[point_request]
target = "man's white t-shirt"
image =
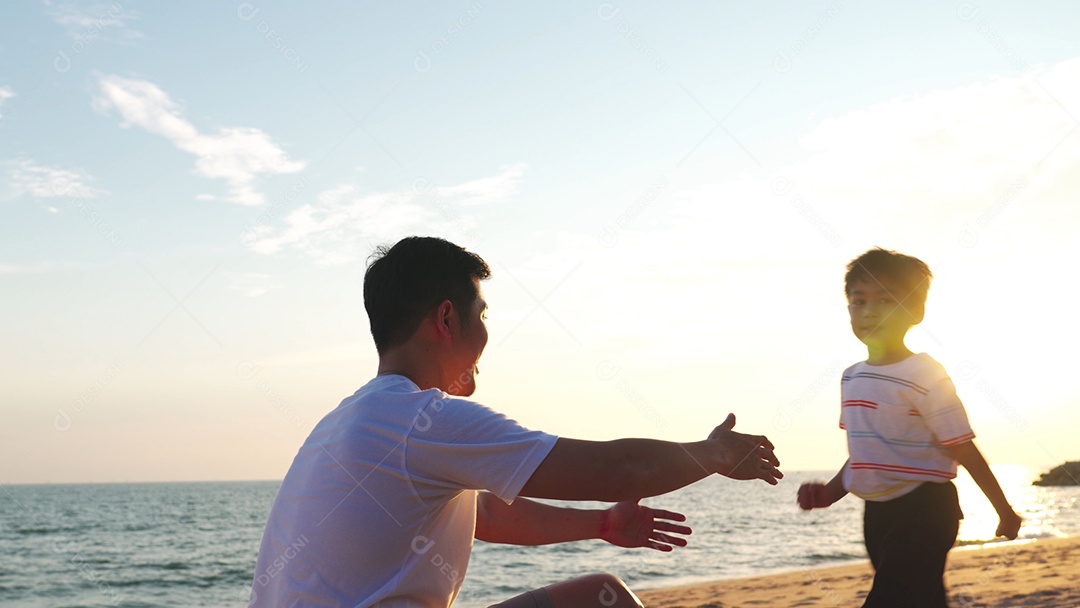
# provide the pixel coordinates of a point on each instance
(379, 506)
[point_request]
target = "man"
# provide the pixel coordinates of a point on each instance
(383, 500)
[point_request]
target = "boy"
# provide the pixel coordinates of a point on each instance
(906, 430)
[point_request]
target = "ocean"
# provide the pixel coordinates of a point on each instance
(195, 544)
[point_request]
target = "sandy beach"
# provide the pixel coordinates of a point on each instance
(1044, 573)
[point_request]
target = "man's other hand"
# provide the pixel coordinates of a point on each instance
(628, 524)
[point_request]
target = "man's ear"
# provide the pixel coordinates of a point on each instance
(445, 317)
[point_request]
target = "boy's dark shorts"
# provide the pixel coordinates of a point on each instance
(908, 540)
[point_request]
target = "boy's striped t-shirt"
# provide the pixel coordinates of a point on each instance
(899, 419)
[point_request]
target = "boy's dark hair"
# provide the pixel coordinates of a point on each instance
(910, 273)
(404, 282)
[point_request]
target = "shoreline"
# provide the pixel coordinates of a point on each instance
(1041, 572)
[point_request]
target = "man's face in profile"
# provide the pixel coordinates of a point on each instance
(469, 345)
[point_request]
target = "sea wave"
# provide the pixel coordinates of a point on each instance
(89, 545)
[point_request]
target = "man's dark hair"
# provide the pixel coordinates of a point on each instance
(907, 272)
(404, 282)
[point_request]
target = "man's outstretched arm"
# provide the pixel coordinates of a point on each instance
(527, 522)
(631, 469)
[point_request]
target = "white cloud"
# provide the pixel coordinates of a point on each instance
(952, 145)
(26, 177)
(952, 176)
(487, 189)
(916, 170)
(6, 93)
(86, 23)
(345, 223)
(237, 155)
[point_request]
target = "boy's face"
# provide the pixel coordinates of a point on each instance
(880, 316)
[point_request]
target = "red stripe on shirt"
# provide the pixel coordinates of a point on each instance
(859, 403)
(958, 440)
(895, 468)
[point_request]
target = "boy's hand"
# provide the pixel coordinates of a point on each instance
(745, 456)
(1009, 525)
(814, 496)
(628, 524)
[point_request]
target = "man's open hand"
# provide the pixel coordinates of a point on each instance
(628, 524)
(745, 456)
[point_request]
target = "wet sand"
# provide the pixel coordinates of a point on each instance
(1044, 573)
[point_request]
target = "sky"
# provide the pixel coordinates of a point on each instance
(667, 196)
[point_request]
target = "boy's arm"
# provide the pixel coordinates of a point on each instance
(631, 469)
(527, 522)
(969, 456)
(818, 495)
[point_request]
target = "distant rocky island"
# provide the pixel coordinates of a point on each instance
(1067, 474)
